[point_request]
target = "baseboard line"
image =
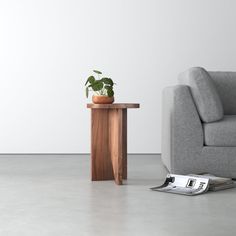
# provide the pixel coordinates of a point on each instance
(71, 154)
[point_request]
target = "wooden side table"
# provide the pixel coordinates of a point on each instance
(109, 141)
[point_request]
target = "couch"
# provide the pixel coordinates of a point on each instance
(199, 123)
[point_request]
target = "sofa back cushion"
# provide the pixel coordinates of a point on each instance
(226, 86)
(204, 93)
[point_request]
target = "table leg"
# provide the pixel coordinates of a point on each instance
(100, 152)
(118, 143)
(109, 144)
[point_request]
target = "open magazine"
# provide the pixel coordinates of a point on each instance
(194, 184)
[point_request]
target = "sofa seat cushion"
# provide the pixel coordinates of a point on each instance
(204, 93)
(221, 133)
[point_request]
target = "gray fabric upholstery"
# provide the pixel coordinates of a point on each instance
(190, 146)
(225, 83)
(182, 134)
(221, 133)
(204, 92)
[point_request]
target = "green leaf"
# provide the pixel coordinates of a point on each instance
(90, 80)
(107, 81)
(97, 85)
(87, 92)
(97, 72)
(110, 92)
(108, 87)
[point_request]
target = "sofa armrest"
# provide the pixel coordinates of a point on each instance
(182, 133)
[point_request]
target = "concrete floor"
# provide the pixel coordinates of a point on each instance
(52, 195)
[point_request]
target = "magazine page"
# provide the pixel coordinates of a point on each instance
(182, 184)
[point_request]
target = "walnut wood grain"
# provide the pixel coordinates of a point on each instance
(100, 151)
(124, 142)
(114, 105)
(109, 143)
(117, 143)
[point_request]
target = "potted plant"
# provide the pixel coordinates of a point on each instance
(102, 88)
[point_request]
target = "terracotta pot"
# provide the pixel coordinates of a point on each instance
(102, 99)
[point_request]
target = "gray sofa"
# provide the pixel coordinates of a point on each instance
(199, 123)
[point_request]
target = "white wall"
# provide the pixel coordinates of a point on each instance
(48, 48)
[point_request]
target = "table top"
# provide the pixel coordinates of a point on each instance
(113, 106)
